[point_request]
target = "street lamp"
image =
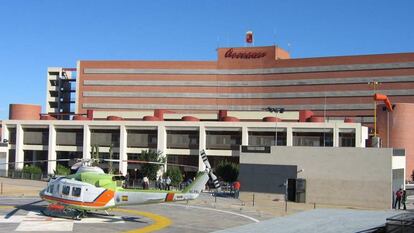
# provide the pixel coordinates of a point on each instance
(275, 110)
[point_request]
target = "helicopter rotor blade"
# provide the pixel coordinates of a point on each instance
(213, 177)
(150, 162)
(37, 161)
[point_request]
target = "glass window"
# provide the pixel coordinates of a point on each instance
(51, 187)
(313, 139)
(65, 190)
(76, 192)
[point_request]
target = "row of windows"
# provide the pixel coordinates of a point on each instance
(76, 191)
(186, 139)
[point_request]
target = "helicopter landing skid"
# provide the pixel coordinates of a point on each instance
(64, 213)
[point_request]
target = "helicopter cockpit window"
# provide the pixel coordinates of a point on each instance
(65, 190)
(50, 188)
(76, 192)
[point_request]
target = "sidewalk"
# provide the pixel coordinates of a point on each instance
(20, 187)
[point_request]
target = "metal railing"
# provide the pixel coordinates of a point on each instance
(22, 175)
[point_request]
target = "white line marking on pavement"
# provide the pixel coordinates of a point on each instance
(222, 211)
(35, 221)
(45, 226)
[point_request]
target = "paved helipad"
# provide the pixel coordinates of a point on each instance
(23, 215)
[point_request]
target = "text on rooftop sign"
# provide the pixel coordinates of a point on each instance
(243, 55)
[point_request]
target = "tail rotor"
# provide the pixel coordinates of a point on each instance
(209, 169)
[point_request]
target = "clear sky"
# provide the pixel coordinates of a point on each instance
(36, 34)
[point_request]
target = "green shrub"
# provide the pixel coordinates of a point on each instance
(227, 171)
(32, 169)
(175, 175)
(62, 170)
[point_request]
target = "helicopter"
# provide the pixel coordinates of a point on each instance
(91, 189)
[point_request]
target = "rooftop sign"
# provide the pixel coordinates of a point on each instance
(243, 55)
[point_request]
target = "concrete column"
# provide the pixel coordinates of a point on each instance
(19, 147)
(359, 140)
(51, 150)
(245, 136)
(5, 135)
(201, 146)
(335, 136)
(123, 156)
(289, 136)
(162, 142)
(86, 142)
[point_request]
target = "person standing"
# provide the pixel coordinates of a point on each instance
(404, 199)
(145, 182)
(159, 183)
(398, 196)
(168, 182)
(236, 188)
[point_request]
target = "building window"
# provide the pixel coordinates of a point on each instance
(104, 137)
(347, 139)
(12, 135)
(142, 138)
(69, 137)
(76, 192)
(223, 140)
(322, 139)
(35, 136)
(182, 139)
(267, 138)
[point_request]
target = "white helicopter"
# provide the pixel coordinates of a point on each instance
(90, 189)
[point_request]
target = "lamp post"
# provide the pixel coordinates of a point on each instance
(275, 110)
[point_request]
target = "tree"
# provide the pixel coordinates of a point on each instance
(62, 170)
(227, 171)
(150, 169)
(175, 175)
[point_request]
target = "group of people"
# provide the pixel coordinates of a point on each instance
(160, 183)
(400, 198)
(163, 183)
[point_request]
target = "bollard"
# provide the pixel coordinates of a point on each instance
(253, 199)
(286, 206)
(1, 188)
(314, 205)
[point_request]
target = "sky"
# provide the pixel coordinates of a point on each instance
(37, 34)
